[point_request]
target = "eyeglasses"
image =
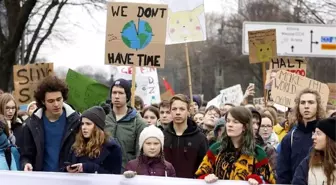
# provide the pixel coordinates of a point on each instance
(10, 108)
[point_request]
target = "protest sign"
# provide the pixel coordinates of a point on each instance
(147, 82)
(332, 94)
(26, 79)
(136, 34)
(287, 85)
(259, 101)
(33, 178)
(232, 95)
(85, 92)
(166, 95)
(262, 45)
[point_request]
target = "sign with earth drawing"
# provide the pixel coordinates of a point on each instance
(136, 34)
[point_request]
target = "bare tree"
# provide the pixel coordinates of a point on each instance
(36, 20)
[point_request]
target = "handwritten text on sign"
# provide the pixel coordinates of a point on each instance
(287, 85)
(26, 79)
(291, 64)
(136, 34)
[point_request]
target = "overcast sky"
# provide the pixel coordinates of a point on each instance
(87, 45)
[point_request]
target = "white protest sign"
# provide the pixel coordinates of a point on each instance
(232, 95)
(34, 178)
(147, 82)
(297, 39)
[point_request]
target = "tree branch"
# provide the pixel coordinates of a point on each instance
(39, 44)
(14, 39)
(37, 30)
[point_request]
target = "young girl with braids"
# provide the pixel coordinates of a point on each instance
(151, 160)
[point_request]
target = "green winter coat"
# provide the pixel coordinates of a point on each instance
(126, 132)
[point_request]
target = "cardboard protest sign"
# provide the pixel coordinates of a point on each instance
(259, 101)
(332, 94)
(26, 79)
(262, 45)
(166, 95)
(85, 92)
(147, 82)
(287, 85)
(291, 64)
(136, 34)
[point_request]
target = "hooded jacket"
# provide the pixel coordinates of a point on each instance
(108, 162)
(32, 150)
(5, 146)
(185, 152)
(126, 132)
(293, 151)
(152, 166)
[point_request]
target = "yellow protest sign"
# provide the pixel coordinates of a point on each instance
(262, 45)
(26, 79)
(136, 34)
(287, 85)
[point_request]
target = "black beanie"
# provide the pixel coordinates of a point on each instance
(97, 115)
(125, 84)
(328, 126)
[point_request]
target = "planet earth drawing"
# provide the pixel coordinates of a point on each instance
(137, 39)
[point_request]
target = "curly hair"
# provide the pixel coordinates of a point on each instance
(326, 158)
(244, 116)
(320, 112)
(4, 99)
(50, 84)
(92, 147)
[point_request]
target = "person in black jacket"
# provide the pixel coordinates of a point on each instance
(51, 130)
(184, 145)
(93, 150)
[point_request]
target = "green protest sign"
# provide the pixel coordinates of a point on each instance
(84, 92)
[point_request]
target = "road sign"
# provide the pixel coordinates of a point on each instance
(297, 39)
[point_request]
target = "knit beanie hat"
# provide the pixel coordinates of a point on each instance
(125, 84)
(197, 100)
(328, 126)
(97, 115)
(148, 132)
(219, 124)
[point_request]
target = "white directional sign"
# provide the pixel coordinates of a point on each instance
(297, 39)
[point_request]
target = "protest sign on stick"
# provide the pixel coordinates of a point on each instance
(136, 34)
(26, 79)
(287, 85)
(262, 45)
(85, 92)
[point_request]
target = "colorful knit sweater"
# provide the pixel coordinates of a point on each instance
(236, 166)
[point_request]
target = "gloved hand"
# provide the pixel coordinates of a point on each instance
(129, 174)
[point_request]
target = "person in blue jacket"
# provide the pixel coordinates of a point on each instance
(296, 144)
(9, 155)
(319, 168)
(94, 151)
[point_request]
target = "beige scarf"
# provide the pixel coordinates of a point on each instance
(316, 176)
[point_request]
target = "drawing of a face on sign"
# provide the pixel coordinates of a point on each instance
(264, 51)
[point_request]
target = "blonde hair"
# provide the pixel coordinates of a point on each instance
(320, 113)
(92, 147)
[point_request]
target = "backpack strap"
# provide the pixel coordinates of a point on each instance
(8, 156)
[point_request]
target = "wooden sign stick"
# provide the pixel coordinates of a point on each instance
(189, 74)
(264, 81)
(133, 86)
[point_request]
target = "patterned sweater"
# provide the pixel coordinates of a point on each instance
(228, 165)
